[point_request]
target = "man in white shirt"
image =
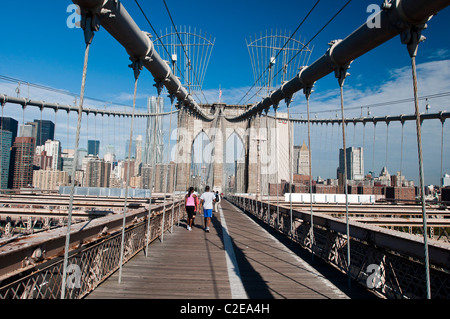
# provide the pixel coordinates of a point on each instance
(207, 199)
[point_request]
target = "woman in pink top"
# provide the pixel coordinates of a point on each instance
(190, 202)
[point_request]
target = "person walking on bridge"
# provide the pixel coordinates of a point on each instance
(207, 199)
(190, 202)
(216, 202)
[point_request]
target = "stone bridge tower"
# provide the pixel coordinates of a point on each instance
(250, 132)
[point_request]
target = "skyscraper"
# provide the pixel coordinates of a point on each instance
(82, 153)
(53, 149)
(301, 159)
(11, 125)
(147, 171)
(355, 163)
(97, 172)
(23, 154)
(138, 166)
(133, 149)
(93, 147)
(28, 130)
(153, 149)
(42, 159)
(45, 130)
(68, 161)
(46, 179)
(5, 156)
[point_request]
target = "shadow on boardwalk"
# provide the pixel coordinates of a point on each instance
(257, 287)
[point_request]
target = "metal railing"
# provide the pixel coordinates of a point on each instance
(387, 262)
(96, 255)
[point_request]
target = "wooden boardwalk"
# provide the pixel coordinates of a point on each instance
(238, 259)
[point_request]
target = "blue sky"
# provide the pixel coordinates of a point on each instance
(37, 46)
(42, 49)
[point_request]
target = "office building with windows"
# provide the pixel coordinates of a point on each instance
(93, 147)
(355, 163)
(22, 156)
(5, 157)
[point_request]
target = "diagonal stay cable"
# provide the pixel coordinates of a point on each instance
(317, 34)
(280, 50)
(306, 44)
(184, 49)
(156, 34)
(160, 40)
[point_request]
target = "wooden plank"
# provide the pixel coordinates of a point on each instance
(192, 264)
(188, 264)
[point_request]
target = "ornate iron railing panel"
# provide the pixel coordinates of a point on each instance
(88, 265)
(376, 263)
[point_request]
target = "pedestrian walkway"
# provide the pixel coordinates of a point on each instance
(238, 258)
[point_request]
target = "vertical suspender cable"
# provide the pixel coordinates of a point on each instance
(175, 178)
(308, 94)
(401, 160)
(276, 158)
(291, 177)
(373, 148)
(442, 151)
(354, 134)
(387, 144)
(22, 146)
(188, 179)
(168, 170)
(68, 121)
(87, 130)
(102, 138)
(342, 74)
(267, 169)
(415, 38)
(172, 99)
(57, 165)
(260, 180)
(147, 241)
(175, 166)
(95, 134)
(325, 145)
(421, 176)
(40, 128)
(364, 137)
(1, 149)
(152, 178)
(166, 176)
(137, 65)
(89, 34)
(331, 148)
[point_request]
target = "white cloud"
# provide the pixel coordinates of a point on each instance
(127, 98)
(440, 54)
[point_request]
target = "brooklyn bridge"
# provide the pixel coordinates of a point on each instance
(339, 202)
